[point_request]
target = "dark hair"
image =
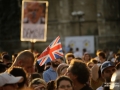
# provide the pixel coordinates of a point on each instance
(2, 67)
(69, 55)
(37, 81)
(94, 61)
(77, 49)
(51, 85)
(61, 78)
(78, 58)
(81, 70)
(18, 71)
(6, 57)
(34, 75)
(117, 66)
(39, 68)
(102, 54)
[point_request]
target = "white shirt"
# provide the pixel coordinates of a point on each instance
(78, 54)
(100, 88)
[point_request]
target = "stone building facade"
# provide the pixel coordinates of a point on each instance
(100, 18)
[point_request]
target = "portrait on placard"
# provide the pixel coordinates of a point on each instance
(34, 20)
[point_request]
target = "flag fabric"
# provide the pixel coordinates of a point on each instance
(52, 52)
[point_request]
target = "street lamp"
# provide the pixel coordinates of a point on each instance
(78, 14)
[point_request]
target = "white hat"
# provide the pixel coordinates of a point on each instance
(6, 78)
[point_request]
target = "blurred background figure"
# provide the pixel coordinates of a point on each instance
(77, 53)
(69, 57)
(86, 57)
(6, 59)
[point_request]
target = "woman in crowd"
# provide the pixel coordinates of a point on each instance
(86, 57)
(62, 68)
(63, 83)
(38, 84)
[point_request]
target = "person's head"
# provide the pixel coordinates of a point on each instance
(77, 49)
(34, 11)
(86, 57)
(56, 62)
(64, 83)
(19, 71)
(78, 71)
(9, 82)
(38, 84)
(33, 76)
(25, 59)
(98, 51)
(69, 57)
(102, 57)
(62, 68)
(6, 59)
(94, 61)
(84, 50)
(3, 53)
(107, 69)
(90, 64)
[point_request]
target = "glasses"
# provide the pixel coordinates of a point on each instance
(63, 87)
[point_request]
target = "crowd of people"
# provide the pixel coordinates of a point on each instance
(74, 71)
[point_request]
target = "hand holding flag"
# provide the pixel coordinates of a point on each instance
(52, 52)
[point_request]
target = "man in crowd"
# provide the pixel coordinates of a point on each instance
(79, 74)
(34, 13)
(96, 78)
(69, 57)
(77, 53)
(107, 69)
(25, 59)
(51, 74)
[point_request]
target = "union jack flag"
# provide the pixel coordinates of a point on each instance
(52, 52)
